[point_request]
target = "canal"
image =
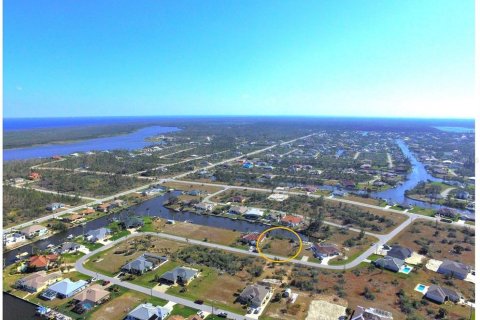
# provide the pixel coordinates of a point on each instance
(17, 309)
(152, 207)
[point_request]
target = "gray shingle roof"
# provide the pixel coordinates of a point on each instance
(389, 263)
(180, 273)
(456, 269)
(400, 252)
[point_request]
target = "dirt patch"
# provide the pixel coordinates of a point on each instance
(323, 310)
(119, 307)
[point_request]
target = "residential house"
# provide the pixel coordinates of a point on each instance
(97, 234)
(131, 221)
(103, 207)
(179, 275)
(203, 206)
(247, 165)
(238, 199)
(73, 217)
(348, 184)
(325, 250)
(238, 210)
(38, 281)
(69, 247)
(42, 262)
(251, 238)
(116, 204)
(455, 269)
(64, 289)
(34, 176)
(362, 313)
(442, 294)
(292, 221)
(147, 311)
(194, 193)
(255, 295)
(447, 213)
(94, 295)
(144, 263)
(389, 263)
(400, 252)
(253, 213)
(11, 238)
(87, 211)
(55, 206)
(463, 195)
(34, 231)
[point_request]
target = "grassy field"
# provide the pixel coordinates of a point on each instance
(207, 287)
(188, 186)
(148, 279)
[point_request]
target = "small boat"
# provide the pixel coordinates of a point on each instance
(170, 221)
(23, 254)
(188, 221)
(50, 246)
(70, 236)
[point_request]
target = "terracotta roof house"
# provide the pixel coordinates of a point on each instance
(94, 295)
(34, 176)
(325, 250)
(349, 184)
(144, 263)
(292, 221)
(88, 211)
(362, 313)
(34, 231)
(454, 269)
(74, 217)
(180, 275)
(400, 252)
(441, 294)
(254, 295)
(389, 263)
(38, 281)
(251, 238)
(147, 311)
(42, 262)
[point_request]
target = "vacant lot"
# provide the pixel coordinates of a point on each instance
(110, 261)
(439, 241)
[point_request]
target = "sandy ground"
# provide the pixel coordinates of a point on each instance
(323, 310)
(415, 259)
(433, 264)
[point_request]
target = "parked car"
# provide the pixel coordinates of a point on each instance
(222, 315)
(198, 301)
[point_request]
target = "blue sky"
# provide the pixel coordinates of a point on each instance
(349, 58)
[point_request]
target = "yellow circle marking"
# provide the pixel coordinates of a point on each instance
(273, 260)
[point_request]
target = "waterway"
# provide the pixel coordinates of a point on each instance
(131, 141)
(152, 207)
(17, 309)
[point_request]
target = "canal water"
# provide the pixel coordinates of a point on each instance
(153, 207)
(17, 309)
(131, 141)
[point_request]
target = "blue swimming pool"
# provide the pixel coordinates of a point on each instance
(421, 287)
(406, 269)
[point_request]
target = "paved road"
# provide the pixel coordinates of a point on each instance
(112, 197)
(204, 307)
(360, 204)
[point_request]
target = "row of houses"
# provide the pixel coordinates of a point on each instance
(29, 232)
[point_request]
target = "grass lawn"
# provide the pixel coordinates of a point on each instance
(423, 211)
(119, 235)
(72, 257)
(148, 279)
(183, 311)
(89, 245)
(374, 257)
(206, 287)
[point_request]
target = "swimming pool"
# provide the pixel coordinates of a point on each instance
(406, 269)
(421, 288)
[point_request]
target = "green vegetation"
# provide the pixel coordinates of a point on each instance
(20, 205)
(183, 311)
